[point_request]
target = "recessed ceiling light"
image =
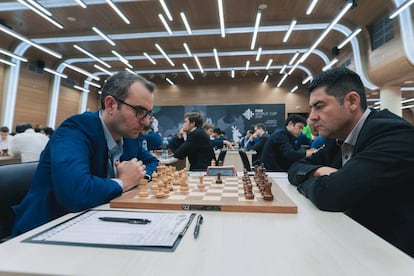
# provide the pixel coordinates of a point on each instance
(71, 19)
(409, 81)
(262, 6)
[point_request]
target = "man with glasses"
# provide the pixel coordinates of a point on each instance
(366, 168)
(89, 159)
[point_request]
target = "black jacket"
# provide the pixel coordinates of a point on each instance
(375, 187)
(198, 148)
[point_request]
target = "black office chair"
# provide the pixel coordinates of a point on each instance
(15, 180)
(245, 160)
(221, 157)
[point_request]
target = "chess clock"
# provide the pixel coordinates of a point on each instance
(223, 170)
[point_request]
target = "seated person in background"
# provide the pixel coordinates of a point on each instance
(219, 141)
(280, 150)
(5, 139)
(154, 140)
(196, 146)
(28, 143)
(258, 140)
(366, 167)
(79, 168)
(245, 141)
(48, 131)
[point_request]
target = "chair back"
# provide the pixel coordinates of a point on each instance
(221, 157)
(15, 180)
(245, 160)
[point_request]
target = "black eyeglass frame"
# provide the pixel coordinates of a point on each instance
(141, 112)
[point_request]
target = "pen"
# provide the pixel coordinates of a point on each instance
(197, 227)
(126, 220)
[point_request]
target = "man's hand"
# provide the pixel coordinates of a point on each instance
(309, 152)
(324, 171)
(130, 172)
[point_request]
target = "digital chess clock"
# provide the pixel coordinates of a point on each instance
(223, 170)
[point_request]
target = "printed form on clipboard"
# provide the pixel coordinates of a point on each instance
(119, 229)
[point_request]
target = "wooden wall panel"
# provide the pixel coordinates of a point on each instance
(2, 88)
(32, 99)
(93, 103)
(69, 101)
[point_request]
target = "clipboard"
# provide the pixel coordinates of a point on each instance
(163, 233)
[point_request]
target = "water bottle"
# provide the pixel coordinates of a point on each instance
(164, 153)
(144, 145)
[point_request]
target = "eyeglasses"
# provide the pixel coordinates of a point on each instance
(141, 112)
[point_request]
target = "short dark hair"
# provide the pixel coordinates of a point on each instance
(260, 125)
(338, 82)
(118, 85)
(4, 129)
(22, 127)
(207, 126)
(195, 117)
(295, 118)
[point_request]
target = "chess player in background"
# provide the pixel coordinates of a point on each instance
(79, 168)
(280, 150)
(366, 167)
(193, 142)
(27, 143)
(257, 142)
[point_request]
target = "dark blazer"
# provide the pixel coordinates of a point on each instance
(71, 175)
(198, 148)
(258, 147)
(280, 151)
(375, 187)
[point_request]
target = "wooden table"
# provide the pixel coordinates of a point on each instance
(10, 159)
(311, 242)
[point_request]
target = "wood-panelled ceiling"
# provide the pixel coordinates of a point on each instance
(146, 29)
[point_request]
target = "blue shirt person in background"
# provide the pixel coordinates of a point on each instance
(83, 164)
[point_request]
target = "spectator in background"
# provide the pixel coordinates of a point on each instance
(5, 139)
(280, 150)
(48, 131)
(258, 140)
(219, 141)
(28, 143)
(196, 146)
(154, 140)
(245, 141)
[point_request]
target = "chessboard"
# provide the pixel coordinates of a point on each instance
(229, 196)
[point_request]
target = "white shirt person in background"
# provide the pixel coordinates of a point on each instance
(28, 143)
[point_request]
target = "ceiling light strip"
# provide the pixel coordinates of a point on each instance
(7, 62)
(233, 73)
(10, 54)
(256, 29)
(91, 55)
(80, 70)
(309, 78)
(216, 58)
(132, 72)
(39, 7)
(282, 80)
(247, 65)
(259, 52)
(187, 49)
(81, 88)
(166, 10)
(282, 71)
(149, 58)
(311, 6)
(92, 83)
(164, 54)
(188, 71)
(45, 16)
(64, 76)
(330, 64)
(397, 11)
(292, 60)
(81, 3)
(269, 64)
(186, 24)
(407, 88)
(104, 36)
(294, 89)
(24, 39)
(199, 64)
(169, 81)
(351, 36)
(118, 11)
(221, 17)
(407, 100)
(102, 69)
(121, 58)
(164, 22)
(266, 78)
(287, 35)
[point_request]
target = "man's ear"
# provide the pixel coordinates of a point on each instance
(352, 99)
(110, 103)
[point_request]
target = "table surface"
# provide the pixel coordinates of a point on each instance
(311, 242)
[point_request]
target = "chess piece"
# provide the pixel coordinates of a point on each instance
(142, 188)
(213, 163)
(267, 193)
(201, 183)
(218, 180)
(249, 191)
(184, 185)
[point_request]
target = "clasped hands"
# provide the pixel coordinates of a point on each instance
(130, 172)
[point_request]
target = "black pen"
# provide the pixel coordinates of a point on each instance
(197, 227)
(126, 220)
